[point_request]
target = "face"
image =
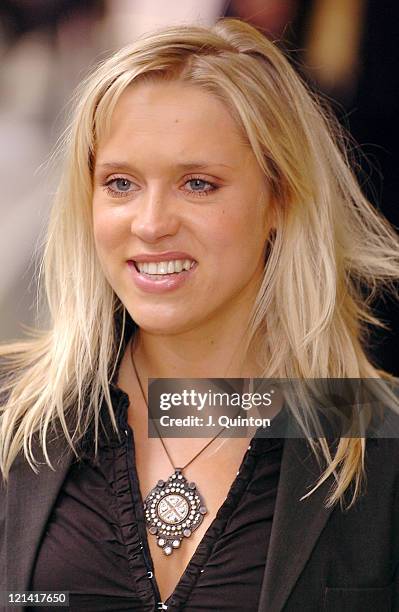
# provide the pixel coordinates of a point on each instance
(176, 188)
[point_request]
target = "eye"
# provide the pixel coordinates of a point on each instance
(118, 186)
(198, 182)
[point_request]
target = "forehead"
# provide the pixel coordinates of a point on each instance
(172, 118)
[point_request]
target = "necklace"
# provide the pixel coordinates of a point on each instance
(173, 508)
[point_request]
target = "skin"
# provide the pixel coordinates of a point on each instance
(195, 330)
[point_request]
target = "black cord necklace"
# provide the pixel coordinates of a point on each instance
(173, 508)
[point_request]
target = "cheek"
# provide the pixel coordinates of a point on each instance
(108, 231)
(243, 239)
(241, 231)
(236, 248)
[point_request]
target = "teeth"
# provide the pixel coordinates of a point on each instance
(164, 267)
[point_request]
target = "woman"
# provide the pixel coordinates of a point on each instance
(207, 225)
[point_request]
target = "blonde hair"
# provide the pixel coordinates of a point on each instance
(328, 246)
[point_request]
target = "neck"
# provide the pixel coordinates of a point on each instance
(211, 352)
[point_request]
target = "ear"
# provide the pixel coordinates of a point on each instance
(268, 201)
(269, 244)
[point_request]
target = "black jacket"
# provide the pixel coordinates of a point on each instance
(319, 559)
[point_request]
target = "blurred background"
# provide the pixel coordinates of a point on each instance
(345, 49)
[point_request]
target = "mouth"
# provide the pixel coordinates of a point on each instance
(158, 271)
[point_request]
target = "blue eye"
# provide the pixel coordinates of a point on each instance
(122, 184)
(201, 192)
(118, 187)
(197, 181)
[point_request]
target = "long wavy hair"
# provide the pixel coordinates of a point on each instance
(329, 254)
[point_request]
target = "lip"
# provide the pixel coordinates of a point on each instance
(169, 283)
(158, 257)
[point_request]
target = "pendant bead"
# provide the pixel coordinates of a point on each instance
(167, 510)
(174, 514)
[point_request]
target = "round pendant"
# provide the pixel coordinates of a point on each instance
(173, 510)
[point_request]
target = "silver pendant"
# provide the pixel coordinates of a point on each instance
(173, 510)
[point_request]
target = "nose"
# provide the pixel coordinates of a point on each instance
(155, 216)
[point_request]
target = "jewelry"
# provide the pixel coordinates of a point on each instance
(173, 508)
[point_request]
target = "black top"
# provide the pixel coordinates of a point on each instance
(95, 543)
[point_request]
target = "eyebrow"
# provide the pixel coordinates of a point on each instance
(181, 166)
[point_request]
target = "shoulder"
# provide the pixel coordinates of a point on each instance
(7, 371)
(383, 406)
(382, 451)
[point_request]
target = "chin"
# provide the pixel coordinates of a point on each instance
(162, 324)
